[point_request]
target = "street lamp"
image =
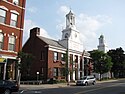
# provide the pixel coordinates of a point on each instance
(18, 71)
(37, 76)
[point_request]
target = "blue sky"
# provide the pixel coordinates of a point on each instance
(93, 18)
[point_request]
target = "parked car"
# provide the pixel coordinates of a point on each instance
(7, 87)
(86, 80)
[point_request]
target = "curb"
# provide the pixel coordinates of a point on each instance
(60, 85)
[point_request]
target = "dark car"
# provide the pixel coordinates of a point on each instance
(7, 86)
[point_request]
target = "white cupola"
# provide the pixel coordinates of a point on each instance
(70, 20)
(102, 45)
(70, 35)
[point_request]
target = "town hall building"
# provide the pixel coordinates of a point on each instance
(54, 58)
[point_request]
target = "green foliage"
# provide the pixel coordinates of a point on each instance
(26, 61)
(66, 65)
(102, 61)
(118, 59)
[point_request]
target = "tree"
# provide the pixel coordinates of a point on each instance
(26, 62)
(118, 59)
(102, 62)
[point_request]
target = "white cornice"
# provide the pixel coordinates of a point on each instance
(11, 26)
(14, 4)
(53, 48)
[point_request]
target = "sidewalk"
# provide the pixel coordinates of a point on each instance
(45, 86)
(59, 85)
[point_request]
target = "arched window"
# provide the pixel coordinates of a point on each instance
(1, 40)
(12, 40)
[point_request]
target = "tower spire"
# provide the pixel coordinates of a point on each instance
(70, 19)
(102, 45)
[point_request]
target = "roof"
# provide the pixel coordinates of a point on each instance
(51, 42)
(101, 36)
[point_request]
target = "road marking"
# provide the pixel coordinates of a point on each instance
(97, 89)
(22, 91)
(38, 92)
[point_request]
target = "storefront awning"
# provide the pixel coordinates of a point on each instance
(2, 60)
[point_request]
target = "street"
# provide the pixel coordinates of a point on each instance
(115, 87)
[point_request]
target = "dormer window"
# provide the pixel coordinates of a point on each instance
(16, 2)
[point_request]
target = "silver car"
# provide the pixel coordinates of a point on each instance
(86, 80)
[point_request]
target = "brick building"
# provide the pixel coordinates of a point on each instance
(50, 61)
(11, 32)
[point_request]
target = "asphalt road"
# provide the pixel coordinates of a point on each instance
(116, 87)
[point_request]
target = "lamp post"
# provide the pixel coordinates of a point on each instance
(18, 71)
(67, 62)
(4, 73)
(37, 74)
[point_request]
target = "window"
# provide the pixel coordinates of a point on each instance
(62, 71)
(55, 56)
(2, 15)
(11, 43)
(55, 72)
(16, 2)
(62, 57)
(1, 40)
(13, 21)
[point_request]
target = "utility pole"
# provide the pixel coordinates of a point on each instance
(4, 73)
(18, 71)
(67, 62)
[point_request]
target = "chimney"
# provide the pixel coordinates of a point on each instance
(35, 32)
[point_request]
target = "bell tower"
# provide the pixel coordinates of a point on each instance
(70, 20)
(70, 30)
(70, 35)
(102, 45)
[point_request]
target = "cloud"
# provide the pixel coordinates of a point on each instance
(87, 25)
(32, 9)
(63, 10)
(29, 24)
(90, 25)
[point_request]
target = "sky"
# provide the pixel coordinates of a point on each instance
(93, 18)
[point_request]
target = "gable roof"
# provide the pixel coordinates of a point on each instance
(51, 42)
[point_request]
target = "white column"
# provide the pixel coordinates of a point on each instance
(4, 73)
(82, 66)
(78, 67)
(73, 68)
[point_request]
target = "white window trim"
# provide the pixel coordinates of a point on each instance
(9, 42)
(3, 7)
(14, 11)
(11, 26)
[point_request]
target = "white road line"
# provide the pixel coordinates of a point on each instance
(38, 92)
(22, 91)
(97, 89)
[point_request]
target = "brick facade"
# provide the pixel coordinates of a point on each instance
(11, 28)
(36, 46)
